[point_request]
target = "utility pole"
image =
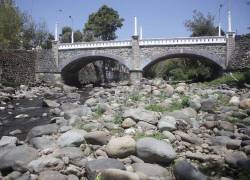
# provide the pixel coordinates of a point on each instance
(220, 20)
(56, 25)
(72, 30)
(136, 31)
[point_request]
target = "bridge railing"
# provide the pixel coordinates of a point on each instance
(95, 44)
(183, 41)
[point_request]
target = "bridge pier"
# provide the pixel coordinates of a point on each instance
(135, 72)
(230, 47)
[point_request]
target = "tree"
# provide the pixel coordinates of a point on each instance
(201, 25)
(10, 26)
(66, 34)
(77, 36)
(103, 24)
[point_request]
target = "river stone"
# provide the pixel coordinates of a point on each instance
(8, 141)
(50, 103)
(226, 125)
(232, 158)
(155, 151)
(245, 104)
(75, 155)
(208, 105)
(183, 170)
(153, 171)
(42, 130)
(96, 166)
(234, 101)
(18, 158)
(117, 174)
(43, 142)
(145, 126)
(141, 114)
(71, 109)
(191, 138)
(97, 137)
(74, 137)
(51, 175)
(167, 123)
(128, 122)
(225, 141)
(45, 163)
(169, 90)
(121, 147)
(184, 114)
(169, 136)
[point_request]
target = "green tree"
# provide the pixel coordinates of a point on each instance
(77, 36)
(10, 26)
(103, 24)
(66, 34)
(201, 25)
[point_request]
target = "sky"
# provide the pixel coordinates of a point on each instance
(158, 18)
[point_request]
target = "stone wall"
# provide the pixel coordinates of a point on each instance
(241, 56)
(45, 61)
(17, 67)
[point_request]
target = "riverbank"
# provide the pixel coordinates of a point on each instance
(154, 130)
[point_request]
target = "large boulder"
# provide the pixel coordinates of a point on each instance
(183, 170)
(121, 147)
(42, 130)
(153, 171)
(169, 90)
(71, 109)
(96, 166)
(141, 114)
(74, 137)
(155, 151)
(97, 137)
(18, 158)
(8, 141)
(50, 103)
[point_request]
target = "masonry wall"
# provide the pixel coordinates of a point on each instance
(17, 67)
(241, 55)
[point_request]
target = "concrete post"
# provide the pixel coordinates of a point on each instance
(55, 52)
(230, 46)
(135, 72)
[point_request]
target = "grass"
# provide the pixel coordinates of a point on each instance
(98, 112)
(223, 100)
(157, 135)
(156, 108)
(118, 118)
(233, 80)
(135, 96)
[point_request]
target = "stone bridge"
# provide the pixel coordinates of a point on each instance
(139, 54)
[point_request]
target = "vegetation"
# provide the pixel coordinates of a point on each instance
(156, 108)
(66, 35)
(202, 25)
(18, 30)
(118, 118)
(102, 24)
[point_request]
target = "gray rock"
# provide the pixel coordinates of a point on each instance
(121, 147)
(167, 123)
(71, 109)
(183, 170)
(43, 142)
(109, 174)
(155, 151)
(96, 166)
(145, 126)
(97, 137)
(51, 175)
(128, 122)
(75, 155)
(45, 163)
(191, 138)
(42, 130)
(141, 114)
(50, 103)
(74, 137)
(72, 177)
(208, 105)
(8, 141)
(153, 171)
(232, 158)
(169, 136)
(15, 132)
(225, 141)
(18, 158)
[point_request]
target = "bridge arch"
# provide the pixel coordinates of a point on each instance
(69, 71)
(184, 53)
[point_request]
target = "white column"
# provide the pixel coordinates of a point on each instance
(229, 17)
(136, 32)
(140, 32)
(56, 34)
(72, 36)
(219, 29)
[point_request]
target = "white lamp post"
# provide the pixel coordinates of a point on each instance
(72, 33)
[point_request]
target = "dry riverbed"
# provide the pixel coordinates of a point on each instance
(150, 131)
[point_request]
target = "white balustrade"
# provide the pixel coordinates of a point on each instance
(144, 42)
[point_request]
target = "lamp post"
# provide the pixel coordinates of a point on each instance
(72, 31)
(220, 19)
(56, 25)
